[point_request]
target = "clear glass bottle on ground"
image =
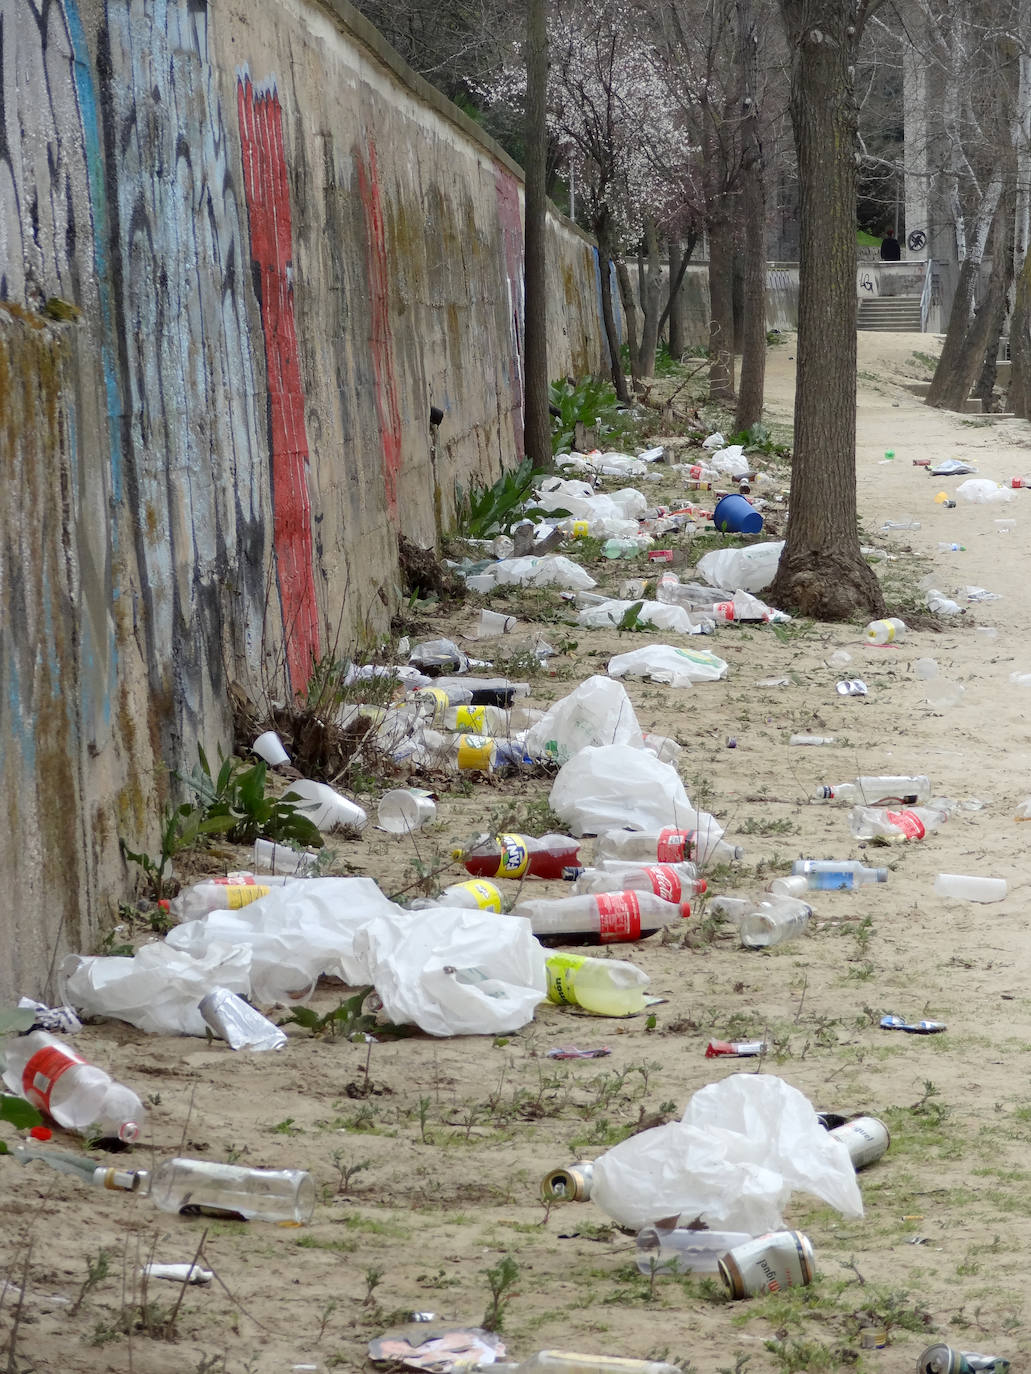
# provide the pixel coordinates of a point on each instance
(198, 1187)
(78, 1095)
(601, 918)
(873, 790)
(607, 987)
(828, 874)
(682, 1251)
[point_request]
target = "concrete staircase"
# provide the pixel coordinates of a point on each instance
(897, 314)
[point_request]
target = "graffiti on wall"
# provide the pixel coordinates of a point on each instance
(267, 190)
(381, 339)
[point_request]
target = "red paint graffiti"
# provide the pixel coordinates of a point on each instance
(510, 218)
(268, 208)
(381, 341)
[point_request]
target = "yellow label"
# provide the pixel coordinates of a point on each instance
(488, 898)
(242, 894)
(475, 751)
(581, 529)
(514, 856)
(439, 699)
(562, 969)
(471, 718)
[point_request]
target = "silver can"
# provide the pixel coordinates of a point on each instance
(945, 1359)
(571, 1184)
(865, 1138)
(781, 1259)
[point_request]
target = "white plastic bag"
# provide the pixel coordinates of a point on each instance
(750, 569)
(157, 989)
(714, 441)
(731, 461)
(655, 613)
(597, 712)
(983, 491)
(744, 1145)
(455, 972)
(297, 932)
(666, 663)
(616, 787)
(551, 571)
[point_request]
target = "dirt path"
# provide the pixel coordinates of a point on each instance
(431, 1177)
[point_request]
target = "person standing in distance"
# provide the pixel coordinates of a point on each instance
(891, 251)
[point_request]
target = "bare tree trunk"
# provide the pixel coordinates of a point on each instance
(721, 311)
(652, 300)
(954, 375)
(536, 418)
(996, 303)
(675, 304)
(1020, 344)
(602, 234)
(822, 571)
(753, 207)
(626, 295)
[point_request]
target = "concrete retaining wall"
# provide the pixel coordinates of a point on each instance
(281, 248)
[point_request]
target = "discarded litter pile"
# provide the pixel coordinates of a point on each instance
(520, 919)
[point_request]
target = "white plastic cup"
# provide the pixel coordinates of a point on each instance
(270, 747)
(403, 810)
(493, 624)
(970, 888)
(327, 808)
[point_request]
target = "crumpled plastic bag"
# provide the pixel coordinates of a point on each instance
(616, 787)
(655, 613)
(667, 663)
(158, 988)
(297, 932)
(455, 971)
(983, 491)
(597, 712)
(744, 1145)
(731, 461)
(749, 569)
(714, 441)
(551, 571)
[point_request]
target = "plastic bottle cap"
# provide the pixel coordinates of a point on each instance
(458, 853)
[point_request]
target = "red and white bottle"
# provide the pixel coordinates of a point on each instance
(519, 856)
(78, 1095)
(669, 846)
(671, 882)
(913, 823)
(600, 919)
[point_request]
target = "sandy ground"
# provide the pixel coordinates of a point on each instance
(429, 1176)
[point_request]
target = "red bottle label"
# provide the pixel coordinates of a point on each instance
(673, 845)
(43, 1070)
(665, 883)
(909, 823)
(620, 914)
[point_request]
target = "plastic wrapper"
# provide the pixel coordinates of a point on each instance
(744, 1145)
(238, 1023)
(597, 712)
(455, 971)
(549, 571)
(748, 570)
(655, 613)
(667, 663)
(983, 491)
(159, 988)
(613, 787)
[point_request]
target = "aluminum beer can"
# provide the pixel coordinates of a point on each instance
(571, 1184)
(781, 1259)
(865, 1138)
(946, 1359)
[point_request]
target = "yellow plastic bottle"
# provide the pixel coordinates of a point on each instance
(607, 987)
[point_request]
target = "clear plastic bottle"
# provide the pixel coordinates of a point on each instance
(945, 547)
(772, 922)
(78, 1095)
(198, 1187)
(571, 1362)
(669, 846)
(829, 874)
(873, 791)
(468, 753)
(885, 631)
(519, 856)
(671, 882)
(489, 720)
(211, 895)
(606, 987)
(682, 1251)
(477, 895)
(941, 604)
(912, 823)
(599, 918)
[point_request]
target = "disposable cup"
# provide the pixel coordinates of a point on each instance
(403, 810)
(493, 623)
(325, 807)
(970, 887)
(270, 747)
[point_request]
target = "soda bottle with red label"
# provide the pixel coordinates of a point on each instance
(913, 823)
(600, 919)
(671, 845)
(79, 1096)
(519, 856)
(671, 882)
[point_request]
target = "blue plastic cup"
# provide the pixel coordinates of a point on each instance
(735, 515)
